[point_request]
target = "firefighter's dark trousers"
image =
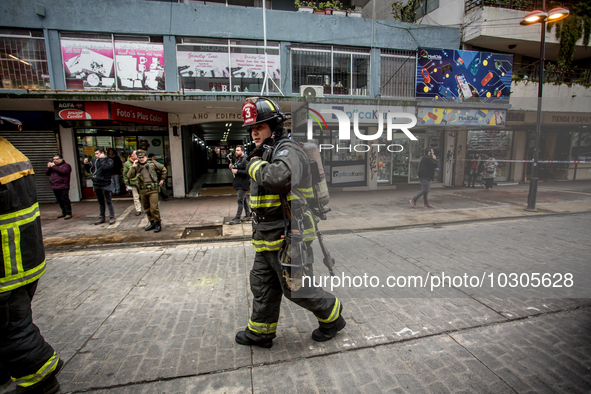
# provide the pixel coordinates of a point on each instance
(24, 354)
(268, 285)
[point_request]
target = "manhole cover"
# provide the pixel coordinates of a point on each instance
(202, 232)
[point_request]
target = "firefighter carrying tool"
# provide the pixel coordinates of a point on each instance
(24, 355)
(281, 220)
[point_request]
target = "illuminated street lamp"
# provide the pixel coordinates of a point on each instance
(531, 18)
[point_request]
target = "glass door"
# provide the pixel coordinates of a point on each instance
(417, 151)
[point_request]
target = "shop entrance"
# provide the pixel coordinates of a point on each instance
(122, 140)
(431, 140)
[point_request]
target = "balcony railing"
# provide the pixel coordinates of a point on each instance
(553, 74)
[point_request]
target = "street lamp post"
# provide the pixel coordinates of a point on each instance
(531, 18)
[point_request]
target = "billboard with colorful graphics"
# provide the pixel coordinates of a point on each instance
(463, 76)
(460, 117)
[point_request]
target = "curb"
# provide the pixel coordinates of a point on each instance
(211, 240)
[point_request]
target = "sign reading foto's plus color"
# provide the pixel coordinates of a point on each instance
(89, 110)
(138, 115)
(463, 76)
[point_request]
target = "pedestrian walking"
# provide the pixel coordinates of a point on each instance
(490, 172)
(277, 167)
(241, 184)
(475, 168)
(100, 168)
(147, 173)
(25, 356)
(59, 180)
(115, 171)
(132, 184)
(427, 168)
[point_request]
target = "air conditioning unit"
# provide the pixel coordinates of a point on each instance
(311, 91)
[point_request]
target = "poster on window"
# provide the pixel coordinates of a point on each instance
(252, 65)
(140, 66)
(463, 76)
(88, 64)
(203, 64)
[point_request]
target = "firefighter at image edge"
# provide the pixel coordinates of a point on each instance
(275, 165)
(24, 355)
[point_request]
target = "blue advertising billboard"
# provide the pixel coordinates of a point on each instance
(463, 76)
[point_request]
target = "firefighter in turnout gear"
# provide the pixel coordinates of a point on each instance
(281, 182)
(24, 355)
(149, 185)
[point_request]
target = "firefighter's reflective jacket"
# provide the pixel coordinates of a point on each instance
(282, 167)
(22, 254)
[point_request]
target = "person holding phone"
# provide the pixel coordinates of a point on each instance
(427, 168)
(59, 180)
(100, 167)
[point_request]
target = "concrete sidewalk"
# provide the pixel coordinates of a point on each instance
(351, 211)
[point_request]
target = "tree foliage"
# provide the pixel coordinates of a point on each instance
(406, 13)
(571, 29)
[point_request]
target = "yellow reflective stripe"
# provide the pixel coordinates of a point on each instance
(265, 197)
(24, 278)
(293, 197)
(254, 169)
(262, 241)
(262, 328)
(262, 245)
(334, 315)
(270, 105)
(6, 254)
(307, 192)
(265, 205)
(17, 250)
(46, 369)
(19, 218)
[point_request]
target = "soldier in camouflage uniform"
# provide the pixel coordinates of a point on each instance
(149, 185)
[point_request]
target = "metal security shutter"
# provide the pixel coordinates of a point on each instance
(39, 147)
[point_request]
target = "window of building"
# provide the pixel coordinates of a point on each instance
(105, 61)
(491, 143)
(227, 65)
(23, 60)
(426, 6)
(397, 73)
(338, 70)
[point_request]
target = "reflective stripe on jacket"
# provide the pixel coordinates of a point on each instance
(22, 255)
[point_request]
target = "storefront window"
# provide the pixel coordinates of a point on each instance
(214, 65)
(124, 140)
(343, 71)
(492, 143)
(104, 61)
(23, 60)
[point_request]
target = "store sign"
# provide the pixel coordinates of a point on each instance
(202, 64)
(558, 118)
(79, 110)
(460, 76)
(138, 115)
(252, 65)
(140, 65)
(460, 117)
(348, 174)
(88, 64)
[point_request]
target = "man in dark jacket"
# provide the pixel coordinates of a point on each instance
(427, 168)
(281, 183)
(241, 183)
(59, 179)
(100, 167)
(115, 171)
(25, 356)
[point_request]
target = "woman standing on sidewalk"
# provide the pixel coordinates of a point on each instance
(490, 171)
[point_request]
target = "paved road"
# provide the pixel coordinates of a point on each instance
(161, 319)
